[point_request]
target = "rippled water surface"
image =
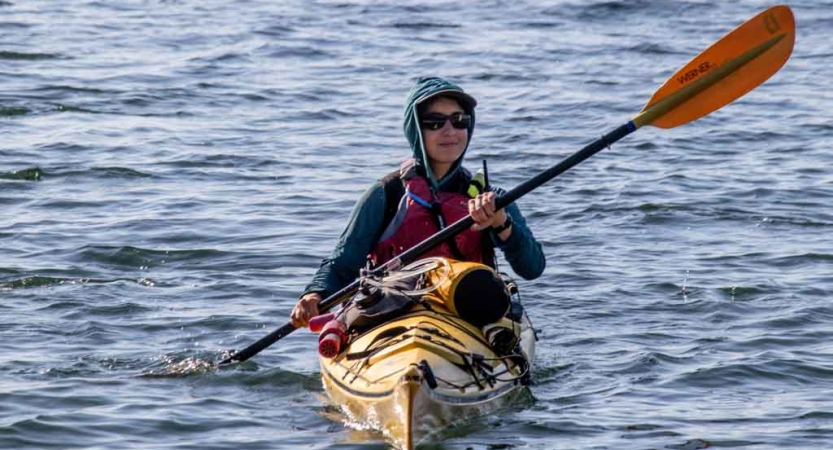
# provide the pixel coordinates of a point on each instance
(172, 172)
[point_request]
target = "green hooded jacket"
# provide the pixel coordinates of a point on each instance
(521, 250)
(424, 89)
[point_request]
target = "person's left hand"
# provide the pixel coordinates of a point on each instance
(482, 210)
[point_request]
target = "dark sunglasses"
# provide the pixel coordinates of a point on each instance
(435, 121)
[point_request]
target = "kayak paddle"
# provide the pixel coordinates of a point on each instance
(731, 67)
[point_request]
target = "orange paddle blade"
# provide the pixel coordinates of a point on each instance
(731, 67)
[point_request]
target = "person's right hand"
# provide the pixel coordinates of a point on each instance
(305, 309)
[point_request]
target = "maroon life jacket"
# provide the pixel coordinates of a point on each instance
(423, 215)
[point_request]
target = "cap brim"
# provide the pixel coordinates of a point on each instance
(467, 100)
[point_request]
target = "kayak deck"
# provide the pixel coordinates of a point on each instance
(423, 372)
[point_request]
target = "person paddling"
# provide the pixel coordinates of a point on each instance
(428, 192)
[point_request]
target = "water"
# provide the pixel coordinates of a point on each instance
(172, 172)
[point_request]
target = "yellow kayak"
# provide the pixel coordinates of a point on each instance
(426, 368)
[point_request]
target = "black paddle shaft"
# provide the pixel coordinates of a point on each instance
(443, 235)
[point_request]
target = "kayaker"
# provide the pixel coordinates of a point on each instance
(427, 193)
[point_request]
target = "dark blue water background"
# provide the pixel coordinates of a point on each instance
(172, 172)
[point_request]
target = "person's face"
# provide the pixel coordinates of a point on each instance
(445, 144)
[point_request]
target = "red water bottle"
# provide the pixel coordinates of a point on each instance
(333, 336)
(318, 322)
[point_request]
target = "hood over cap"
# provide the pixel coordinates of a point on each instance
(425, 89)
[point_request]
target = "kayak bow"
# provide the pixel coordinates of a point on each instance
(424, 371)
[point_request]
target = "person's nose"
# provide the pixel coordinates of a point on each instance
(447, 127)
